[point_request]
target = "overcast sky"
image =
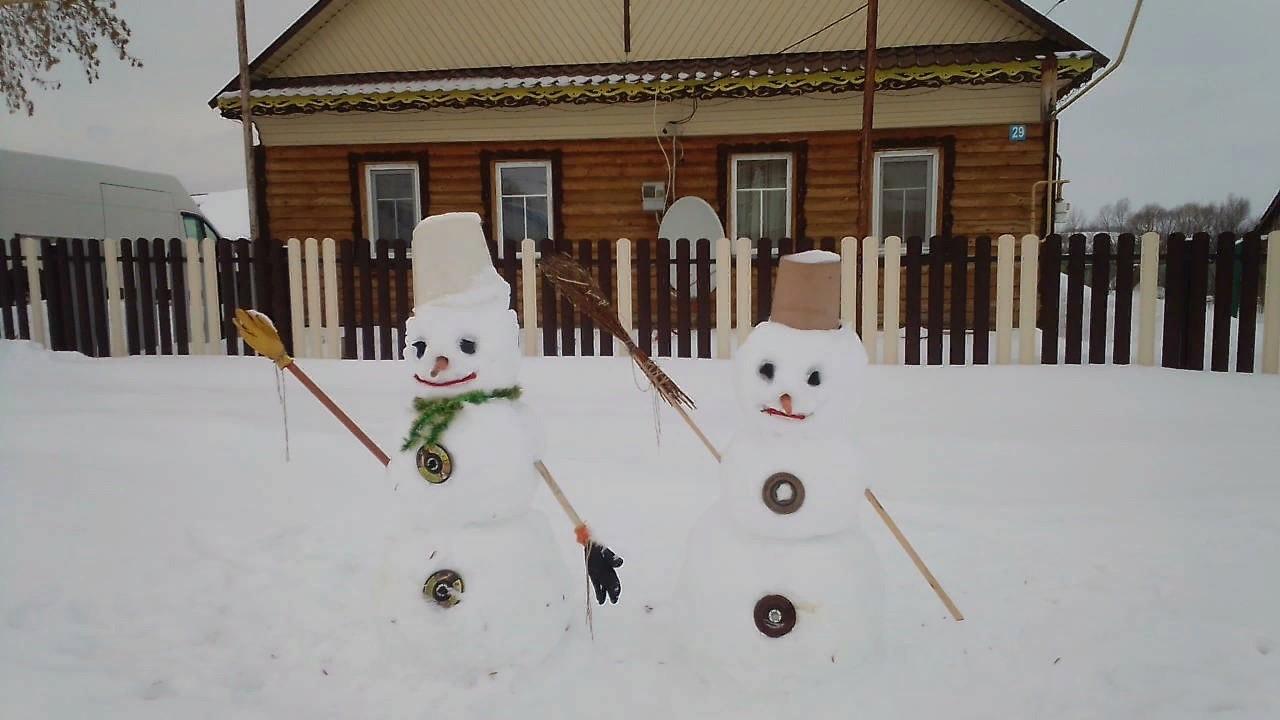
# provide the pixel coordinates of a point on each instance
(1191, 115)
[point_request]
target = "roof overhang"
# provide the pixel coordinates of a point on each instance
(742, 77)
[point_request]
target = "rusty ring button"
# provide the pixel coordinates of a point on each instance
(775, 615)
(783, 493)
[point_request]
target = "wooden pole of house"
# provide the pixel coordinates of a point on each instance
(246, 119)
(868, 116)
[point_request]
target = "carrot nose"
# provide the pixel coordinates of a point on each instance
(442, 364)
(785, 400)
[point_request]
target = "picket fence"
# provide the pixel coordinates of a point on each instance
(911, 302)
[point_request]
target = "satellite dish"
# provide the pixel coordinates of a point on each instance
(691, 218)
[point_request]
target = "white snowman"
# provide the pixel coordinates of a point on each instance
(781, 588)
(473, 575)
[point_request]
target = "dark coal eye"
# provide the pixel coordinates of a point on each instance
(766, 370)
(467, 345)
(421, 348)
(815, 378)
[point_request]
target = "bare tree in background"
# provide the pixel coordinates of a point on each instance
(1231, 215)
(35, 36)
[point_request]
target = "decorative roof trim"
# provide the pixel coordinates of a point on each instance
(544, 91)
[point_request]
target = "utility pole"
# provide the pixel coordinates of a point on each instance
(868, 114)
(246, 121)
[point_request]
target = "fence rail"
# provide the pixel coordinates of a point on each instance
(1196, 303)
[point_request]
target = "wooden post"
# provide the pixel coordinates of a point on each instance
(1148, 279)
(1271, 308)
(212, 301)
(296, 318)
(1005, 248)
(115, 315)
(246, 120)
(623, 263)
(892, 282)
(328, 251)
(870, 296)
(724, 296)
(312, 318)
(1028, 298)
(31, 259)
(529, 291)
(868, 117)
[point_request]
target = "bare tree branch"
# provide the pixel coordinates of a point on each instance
(36, 36)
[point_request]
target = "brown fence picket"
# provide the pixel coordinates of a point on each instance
(803, 244)
(1250, 268)
(644, 295)
(382, 275)
(98, 297)
(510, 267)
(181, 320)
(1175, 302)
(1197, 301)
(586, 328)
(132, 322)
(982, 301)
(568, 319)
(604, 265)
(364, 279)
(938, 248)
(21, 293)
(262, 277)
(346, 251)
(1100, 278)
(51, 277)
(662, 268)
(1050, 274)
(959, 298)
(165, 318)
(1224, 276)
(404, 293)
(147, 299)
(227, 294)
(706, 297)
(1074, 353)
(915, 289)
(684, 309)
(80, 296)
(280, 302)
(828, 244)
(549, 344)
(8, 298)
(1124, 299)
(764, 279)
(244, 283)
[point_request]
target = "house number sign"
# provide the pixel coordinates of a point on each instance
(1017, 133)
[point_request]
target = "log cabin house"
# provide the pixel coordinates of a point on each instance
(546, 118)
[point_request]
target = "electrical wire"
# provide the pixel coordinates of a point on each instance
(824, 28)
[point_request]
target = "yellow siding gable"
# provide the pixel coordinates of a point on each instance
(352, 36)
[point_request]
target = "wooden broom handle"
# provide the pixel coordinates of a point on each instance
(343, 418)
(915, 557)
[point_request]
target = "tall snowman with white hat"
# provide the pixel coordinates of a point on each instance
(780, 588)
(475, 577)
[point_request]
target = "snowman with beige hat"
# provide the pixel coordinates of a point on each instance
(781, 587)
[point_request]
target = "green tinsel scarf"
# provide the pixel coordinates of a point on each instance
(435, 414)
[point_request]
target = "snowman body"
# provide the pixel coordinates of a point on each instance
(783, 587)
(473, 578)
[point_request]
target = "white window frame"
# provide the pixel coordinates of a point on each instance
(931, 223)
(371, 202)
(498, 196)
(791, 190)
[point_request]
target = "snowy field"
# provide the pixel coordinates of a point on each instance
(1111, 533)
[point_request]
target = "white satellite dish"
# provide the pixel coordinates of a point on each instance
(692, 218)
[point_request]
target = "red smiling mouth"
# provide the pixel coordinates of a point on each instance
(779, 413)
(446, 383)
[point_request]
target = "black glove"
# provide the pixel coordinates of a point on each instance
(602, 567)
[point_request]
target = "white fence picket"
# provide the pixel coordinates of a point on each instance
(622, 260)
(848, 280)
(1271, 308)
(296, 300)
(724, 307)
(1148, 281)
(313, 317)
(742, 258)
(1006, 246)
(115, 313)
(35, 314)
(870, 297)
(1028, 300)
(329, 263)
(892, 283)
(212, 298)
(529, 286)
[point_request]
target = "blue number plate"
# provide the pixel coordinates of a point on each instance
(1017, 133)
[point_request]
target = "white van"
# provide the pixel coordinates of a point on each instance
(46, 196)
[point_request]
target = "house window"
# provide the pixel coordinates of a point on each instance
(906, 194)
(392, 198)
(524, 201)
(760, 204)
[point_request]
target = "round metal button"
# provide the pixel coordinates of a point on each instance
(783, 493)
(444, 587)
(434, 463)
(775, 615)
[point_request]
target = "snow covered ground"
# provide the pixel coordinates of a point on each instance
(1112, 534)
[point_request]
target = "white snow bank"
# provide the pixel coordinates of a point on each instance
(1110, 532)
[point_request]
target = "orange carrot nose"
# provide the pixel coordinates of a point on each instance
(442, 364)
(785, 400)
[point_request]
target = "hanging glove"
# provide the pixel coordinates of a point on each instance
(602, 567)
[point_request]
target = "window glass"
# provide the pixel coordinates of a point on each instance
(524, 201)
(907, 195)
(393, 203)
(762, 196)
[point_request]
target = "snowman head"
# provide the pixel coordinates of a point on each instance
(799, 378)
(462, 335)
